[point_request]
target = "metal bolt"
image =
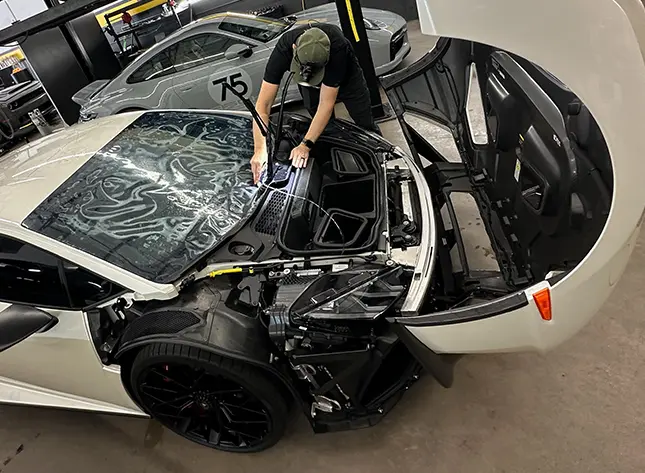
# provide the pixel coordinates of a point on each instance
(380, 410)
(271, 274)
(287, 271)
(389, 263)
(406, 223)
(415, 377)
(407, 237)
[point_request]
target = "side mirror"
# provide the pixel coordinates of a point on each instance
(18, 322)
(237, 51)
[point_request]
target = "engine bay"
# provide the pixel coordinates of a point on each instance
(321, 218)
(315, 276)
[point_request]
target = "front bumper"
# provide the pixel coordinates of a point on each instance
(399, 49)
(19, 118)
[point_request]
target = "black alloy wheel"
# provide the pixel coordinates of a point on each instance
(216, 402)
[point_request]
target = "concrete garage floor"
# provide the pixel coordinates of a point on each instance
(579, 408)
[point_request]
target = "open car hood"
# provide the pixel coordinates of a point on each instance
(542, 177)
(558, 37)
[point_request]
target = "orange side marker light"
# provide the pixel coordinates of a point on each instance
(543, 301)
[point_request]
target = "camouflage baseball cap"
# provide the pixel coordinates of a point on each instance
(310, 56)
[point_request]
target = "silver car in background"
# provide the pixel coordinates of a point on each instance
(189, 68)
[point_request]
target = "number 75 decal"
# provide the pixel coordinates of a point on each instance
(237, 79)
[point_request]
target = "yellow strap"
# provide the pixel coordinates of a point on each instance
(351, 20)
(220, 272)
(100, 17)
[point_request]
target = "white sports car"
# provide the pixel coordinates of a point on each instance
(142, 273)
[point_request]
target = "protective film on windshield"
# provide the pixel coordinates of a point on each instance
(159, 196)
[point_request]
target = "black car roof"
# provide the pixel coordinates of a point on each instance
(159, 196)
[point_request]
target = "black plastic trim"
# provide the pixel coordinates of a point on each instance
(419, 67)
(553, 280)
(533, 92)
(467, 314)
(441, 367)
(18, 323)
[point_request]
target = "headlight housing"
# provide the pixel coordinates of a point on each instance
(87, 116)
(373, 24)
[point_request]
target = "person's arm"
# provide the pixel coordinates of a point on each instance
(266, 97)
(328, 95)
(276, 67)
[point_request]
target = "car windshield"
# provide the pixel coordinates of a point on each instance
(159, 196)
(256, 28)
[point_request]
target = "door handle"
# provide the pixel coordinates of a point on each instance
(186, 89)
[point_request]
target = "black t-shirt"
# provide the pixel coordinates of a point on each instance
(342, 70)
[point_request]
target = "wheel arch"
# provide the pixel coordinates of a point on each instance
(126, 355)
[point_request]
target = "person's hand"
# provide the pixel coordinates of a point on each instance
(258, 161)
(299, 156)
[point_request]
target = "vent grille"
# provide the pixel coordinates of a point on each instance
(270, 216)
(162, 322)
(397, 43)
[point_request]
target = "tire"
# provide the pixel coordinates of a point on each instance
(245, 412)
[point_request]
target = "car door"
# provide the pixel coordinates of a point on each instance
(203, 70)
(47, 356)
(150, 86)
(539, 174)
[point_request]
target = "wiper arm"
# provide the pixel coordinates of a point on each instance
(265, 129)
(278, 137)
(273, 140)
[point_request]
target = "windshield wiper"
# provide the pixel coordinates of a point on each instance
(265, 129)
(273, 138)
(283, 100)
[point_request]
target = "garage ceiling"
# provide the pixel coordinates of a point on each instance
(50, 18)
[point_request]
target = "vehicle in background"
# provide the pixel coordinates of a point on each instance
(189, 69)
(266, 8)
(16, 101)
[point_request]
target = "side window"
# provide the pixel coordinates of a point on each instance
(160, 65)
(29, 275)
(85, 288)
(201, 49)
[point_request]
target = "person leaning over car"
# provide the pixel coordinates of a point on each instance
(325, 69)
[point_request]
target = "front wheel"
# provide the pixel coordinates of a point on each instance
(217, 402)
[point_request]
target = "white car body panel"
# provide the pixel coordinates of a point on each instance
(67, 363)
(604, 66)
